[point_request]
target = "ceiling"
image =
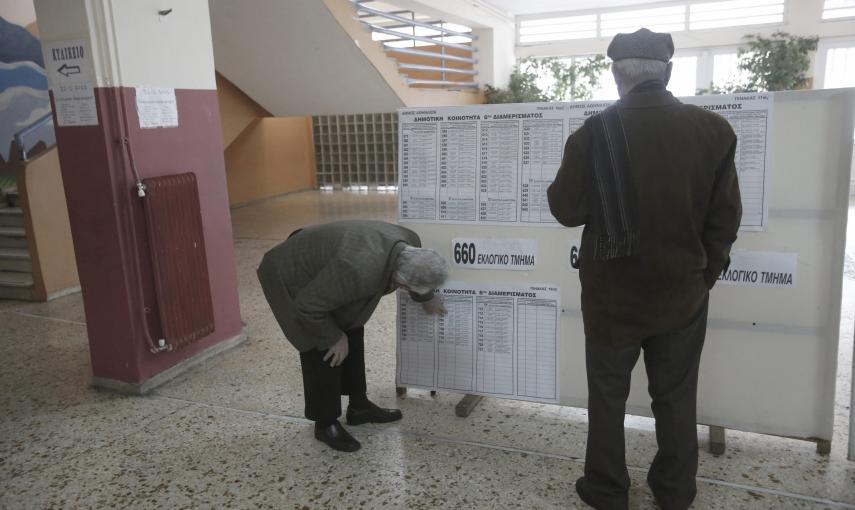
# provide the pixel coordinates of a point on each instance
(524, 7)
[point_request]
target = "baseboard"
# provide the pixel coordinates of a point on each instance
(63, 292)
(169, 374)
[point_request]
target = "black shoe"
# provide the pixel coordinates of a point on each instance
(372, 414)
(585, 494)
(336, 437)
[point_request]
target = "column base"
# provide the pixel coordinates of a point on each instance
(167, 375)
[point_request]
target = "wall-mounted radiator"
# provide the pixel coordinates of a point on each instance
(177, 245)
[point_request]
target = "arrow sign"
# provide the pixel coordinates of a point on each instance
(68, 70)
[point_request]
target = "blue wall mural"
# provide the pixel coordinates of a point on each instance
(25, 115)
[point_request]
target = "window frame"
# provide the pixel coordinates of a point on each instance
(821, 62)
(669, 3)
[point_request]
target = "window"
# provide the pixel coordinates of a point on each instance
(839, 68)
(688, 15)
(662, 19)
(607, 88)
(726, 70)
(558, 29)
(735, 13)
(836, 9)
(684, 76)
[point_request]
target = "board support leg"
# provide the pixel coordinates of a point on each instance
(400, 391)
(717, 440)
(823, 446)
(466, 405)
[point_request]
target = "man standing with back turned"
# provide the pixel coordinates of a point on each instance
(654, 183)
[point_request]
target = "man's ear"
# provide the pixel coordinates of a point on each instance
(668, 69)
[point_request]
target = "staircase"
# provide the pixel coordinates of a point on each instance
(428, 52)
(16, 278)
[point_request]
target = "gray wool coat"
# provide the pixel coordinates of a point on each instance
(327, 279)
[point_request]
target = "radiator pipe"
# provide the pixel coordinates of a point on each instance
(161, 345)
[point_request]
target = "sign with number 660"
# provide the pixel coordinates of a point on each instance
(503, 254)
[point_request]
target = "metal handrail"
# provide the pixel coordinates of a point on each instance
(419, 38)
(380, 26)
(408, 22)
(444, 83)
(40, 123)
(430, 54)
(420, 67)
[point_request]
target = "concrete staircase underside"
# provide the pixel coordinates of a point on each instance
(326, 66)
(16, 266)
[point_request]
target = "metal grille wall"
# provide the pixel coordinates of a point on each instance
(356, 151)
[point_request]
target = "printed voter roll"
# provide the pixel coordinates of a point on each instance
(496, 339)
(480, 164)
(492, 164)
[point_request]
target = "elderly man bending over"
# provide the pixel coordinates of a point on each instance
(323, 283)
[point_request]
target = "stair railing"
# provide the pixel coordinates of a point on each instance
(365, 12)
(39, 131)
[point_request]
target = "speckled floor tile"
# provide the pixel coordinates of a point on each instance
(66, 308)
(230, 432)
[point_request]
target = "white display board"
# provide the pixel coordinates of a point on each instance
(769, 361)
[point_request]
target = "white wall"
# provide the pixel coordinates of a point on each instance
(131, 44)
(19, 12)
(294, 58)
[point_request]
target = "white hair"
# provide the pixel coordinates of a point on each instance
(420, 269)
(629, 72)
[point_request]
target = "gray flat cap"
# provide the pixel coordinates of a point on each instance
(642, 44)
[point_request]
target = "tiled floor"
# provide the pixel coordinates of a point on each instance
(230, 433)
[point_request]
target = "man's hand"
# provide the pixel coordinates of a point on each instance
(434, 306)
(337, 352)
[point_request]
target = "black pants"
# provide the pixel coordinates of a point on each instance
(324, 385)
(672, 362)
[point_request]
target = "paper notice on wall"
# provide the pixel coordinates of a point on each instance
(69, 67)
(499, 340)
(504, 254)
(761, 269)
(156, 107)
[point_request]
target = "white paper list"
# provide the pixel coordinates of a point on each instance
(750, 115)
(458, 171)
(416, 345)
(492, 164)
(418, 148)
(500, 143)
(455, 348)
(498, 340)
(542, 150)
(494, 370)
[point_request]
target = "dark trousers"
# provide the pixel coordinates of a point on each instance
(672, 362)
(324, 385)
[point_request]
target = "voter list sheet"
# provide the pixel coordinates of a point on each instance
(497, 340)
(492, 164)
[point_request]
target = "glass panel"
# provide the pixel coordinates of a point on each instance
(735, 13)
(684, 76)
(726, 70)
(661, 19)
(840, 68)
(557, 29)
(836, 9)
